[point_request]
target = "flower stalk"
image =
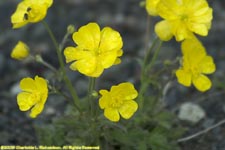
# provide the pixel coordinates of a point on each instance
(91, 88)
(40, 60)
(146, 67)
(62, 67)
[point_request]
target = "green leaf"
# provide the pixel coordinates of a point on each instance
(165, 119)
(158, 141)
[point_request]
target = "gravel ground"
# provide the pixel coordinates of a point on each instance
(129, 19)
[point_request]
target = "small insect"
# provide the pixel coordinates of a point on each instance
(28, 9)
(25, 16)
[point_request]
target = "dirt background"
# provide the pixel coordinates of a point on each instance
(127, 17)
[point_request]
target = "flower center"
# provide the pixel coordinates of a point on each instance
(116, 103)
(97, 52)
(35, 97)
(184, 17)
(195, 71)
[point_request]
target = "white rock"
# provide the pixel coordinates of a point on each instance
(191, 112)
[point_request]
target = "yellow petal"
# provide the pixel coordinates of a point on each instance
(107, 59)
(128, 109)
(17, 17)
(202, 83)
(110, 40)
(36, 110)
(37, 13)
(23, 101)
(200, 21)
(103, 101)
(198, 28)
(88, 37)
(183, 77)
(180, 30)
(97, 72)
(28, 85)
(30, 11)
(193, 46)
(119, 52)
(202, 16)
(200, 4)
(207, 65)
(69, 53)
(186, 17)
(201, 8)
(112, 114)
(42, 87)
(151, 7)
(48, 3)
(117, 61)
(193, 51)
(163, 30)
(164, 8)
(20, 51)
(85, 66)
(103, 92)
(124, 91)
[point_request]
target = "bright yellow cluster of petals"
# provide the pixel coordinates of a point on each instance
(182, 18)
(20, 51)
(151, 7)
(119, 100)
(30, 11)
(95, 51)
(34, 95)
(195, 64)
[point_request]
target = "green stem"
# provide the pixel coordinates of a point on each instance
(147, 35)
(64, 41)
(92, 112)
(147, 56)
(62, 67)
(40, 60)
(146, 68)
(91, 88)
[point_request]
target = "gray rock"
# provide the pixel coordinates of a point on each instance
(191, 112)
(15, 89)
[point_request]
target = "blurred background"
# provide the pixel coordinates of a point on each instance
(129, 18)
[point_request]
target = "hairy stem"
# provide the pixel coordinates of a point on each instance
(62, 67)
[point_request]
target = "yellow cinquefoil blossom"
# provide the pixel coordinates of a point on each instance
(34, 95)
(30, 11)
(195, 64)
(151, 7)
(95, 51)
(119, 100)
(20, 51)
(183, 18)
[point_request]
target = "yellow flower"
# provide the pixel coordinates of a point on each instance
(95, 51)
(119, 100)
(151, 7)
(183, 18)
(34, 95)
(20, 51)
(30, 11)
(195, 64)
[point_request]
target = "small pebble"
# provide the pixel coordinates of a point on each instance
(15, 89)
(191, 112)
